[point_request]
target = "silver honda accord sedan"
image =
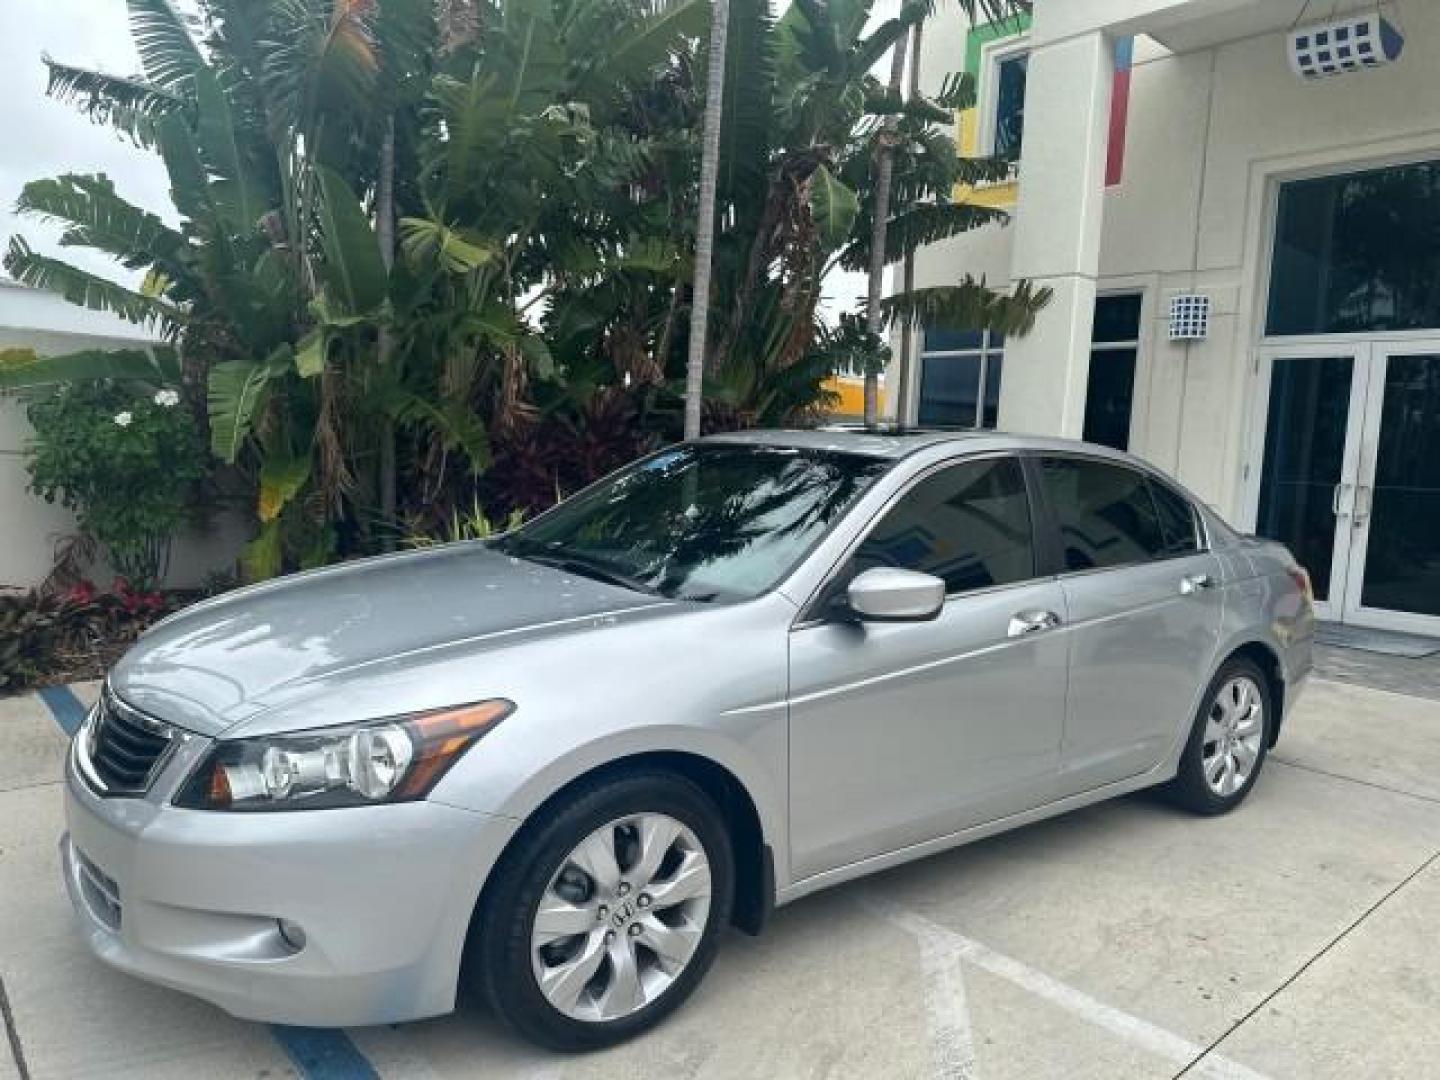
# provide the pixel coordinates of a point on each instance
(553, 767)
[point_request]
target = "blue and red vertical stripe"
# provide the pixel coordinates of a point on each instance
(1119, 111)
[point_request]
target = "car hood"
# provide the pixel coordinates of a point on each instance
(228, 659)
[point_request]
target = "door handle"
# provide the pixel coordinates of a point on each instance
(1032, 622)
(1191, 584)
(1337, 498)
(1364, 497)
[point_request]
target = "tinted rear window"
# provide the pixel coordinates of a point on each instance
(1105, 513)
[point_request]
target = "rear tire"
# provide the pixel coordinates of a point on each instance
(1228, 741)
(605, 913)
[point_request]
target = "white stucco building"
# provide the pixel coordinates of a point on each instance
(1169, 148)
(30, 527)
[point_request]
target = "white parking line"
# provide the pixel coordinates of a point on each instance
(954, 1041)
(1132, 1029)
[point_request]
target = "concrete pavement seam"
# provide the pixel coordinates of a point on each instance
(1354, 780)
(30, 787)
(1303, 968)
(12, 1033)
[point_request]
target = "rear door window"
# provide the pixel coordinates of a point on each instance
(1177, 520)
(1104, 511)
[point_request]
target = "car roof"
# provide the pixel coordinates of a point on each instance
(892, 442)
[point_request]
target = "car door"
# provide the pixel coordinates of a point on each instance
(1145, 609)
(902, 732)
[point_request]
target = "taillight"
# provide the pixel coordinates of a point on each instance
(1301, 577)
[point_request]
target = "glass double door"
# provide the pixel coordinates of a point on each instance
(1350, 476)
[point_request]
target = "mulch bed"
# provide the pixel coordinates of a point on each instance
(76, 635)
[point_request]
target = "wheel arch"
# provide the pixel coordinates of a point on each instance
(1267, 659)
(753, 856)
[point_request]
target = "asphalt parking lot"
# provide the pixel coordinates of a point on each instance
(1294, 938)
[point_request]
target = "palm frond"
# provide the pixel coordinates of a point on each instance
(24, 369)
(957, 91)
(428, 243)
(130, 106)
(748, 112)
(88, 290)
(968, 305)
(240, 178)
(887, 104)
(95, 216)
(320, 58)
(167, 51)
(638, 48)
(920, 224)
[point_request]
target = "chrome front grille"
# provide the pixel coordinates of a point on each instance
(126, 749)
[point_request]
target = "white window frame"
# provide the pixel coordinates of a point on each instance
(987, 103)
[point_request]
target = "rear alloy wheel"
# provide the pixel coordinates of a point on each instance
(606, 913)
(1228, 743)
(1234, 732)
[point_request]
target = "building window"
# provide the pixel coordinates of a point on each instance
(1357, 253)
(1110, 387)
(1009, 115)
(960, 378)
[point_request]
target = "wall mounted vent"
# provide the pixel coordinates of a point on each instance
(1189, 317)
(1343, 45)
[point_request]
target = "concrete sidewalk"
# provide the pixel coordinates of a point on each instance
(1293, 938)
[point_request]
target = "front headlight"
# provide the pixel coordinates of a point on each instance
(393, 760)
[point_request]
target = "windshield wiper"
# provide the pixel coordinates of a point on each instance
(586, 568)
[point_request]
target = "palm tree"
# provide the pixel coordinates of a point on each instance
(705, 214)
(992, 10)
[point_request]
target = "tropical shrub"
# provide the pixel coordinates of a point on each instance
(421, 259)
(471, 523)
(125, 462)
(72, 635)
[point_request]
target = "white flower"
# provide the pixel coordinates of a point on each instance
(167, 399)
(122, 419)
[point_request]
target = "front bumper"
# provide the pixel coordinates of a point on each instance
(190, 899)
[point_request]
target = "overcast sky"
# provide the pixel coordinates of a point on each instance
(46, 138)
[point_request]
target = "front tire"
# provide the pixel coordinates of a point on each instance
(1228, 743)
(605, 914)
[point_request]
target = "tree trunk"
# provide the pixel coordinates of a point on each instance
(907, 336)
(884, 166)
(705, 225)
(385, 345)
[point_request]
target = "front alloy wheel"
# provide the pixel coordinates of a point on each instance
(622, 918)
(604, 913)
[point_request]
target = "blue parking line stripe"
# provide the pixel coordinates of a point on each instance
(323, 1053)
(68, 710)
(317, 1053)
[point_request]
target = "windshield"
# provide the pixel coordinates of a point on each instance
(700, 521)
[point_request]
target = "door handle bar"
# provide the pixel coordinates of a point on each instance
(1337, 499)
(1191, 584)
(1032, 622)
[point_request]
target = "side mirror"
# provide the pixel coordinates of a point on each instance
(885, 594)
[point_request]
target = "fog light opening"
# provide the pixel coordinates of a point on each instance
(292, 933)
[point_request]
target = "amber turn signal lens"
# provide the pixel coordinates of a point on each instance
(441, 737)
